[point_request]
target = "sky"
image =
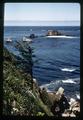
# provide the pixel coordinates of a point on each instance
(34, 13)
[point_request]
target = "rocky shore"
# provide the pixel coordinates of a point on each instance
(58, 102)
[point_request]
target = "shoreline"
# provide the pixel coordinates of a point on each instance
(73, 109)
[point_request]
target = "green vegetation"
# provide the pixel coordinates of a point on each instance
(19, 98)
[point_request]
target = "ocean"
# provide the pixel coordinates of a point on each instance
(56, 61)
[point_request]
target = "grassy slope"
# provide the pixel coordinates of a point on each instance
(17, 88)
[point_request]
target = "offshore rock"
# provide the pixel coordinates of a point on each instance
(32, 36)
(53, 33)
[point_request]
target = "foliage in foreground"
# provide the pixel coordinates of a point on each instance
(19, 98)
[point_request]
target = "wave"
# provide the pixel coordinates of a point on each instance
(78, 96)
(69, 81)
(61, 36)
(60, 82)
(68, 69)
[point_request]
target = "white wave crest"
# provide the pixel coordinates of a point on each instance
(61, 36)
(68, 69)
(78, 96)
(69, 81)
(59, 82)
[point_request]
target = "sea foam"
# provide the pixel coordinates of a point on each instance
(58, 82)
(61, 36)
(68, 69)
(69, 81)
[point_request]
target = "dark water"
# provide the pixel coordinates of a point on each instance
(56, 60)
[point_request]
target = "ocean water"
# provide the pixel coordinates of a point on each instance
(56, 61)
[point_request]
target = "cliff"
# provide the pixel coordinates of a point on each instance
(18, 96)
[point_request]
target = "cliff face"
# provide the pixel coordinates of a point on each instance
(18, 95)
(15, 85)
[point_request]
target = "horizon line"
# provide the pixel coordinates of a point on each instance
(44, 20)
(40, 25)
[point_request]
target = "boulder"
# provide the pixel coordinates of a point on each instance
(76, 109)
(75, 105)
(72, 100)
(59, 93)
(72, 115)
(60, 103)
(65, 115)
(32, 36)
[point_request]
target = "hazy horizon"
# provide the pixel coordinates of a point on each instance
(41, 23)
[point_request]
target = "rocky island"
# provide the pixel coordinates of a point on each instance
(57, 34)
(53, 33)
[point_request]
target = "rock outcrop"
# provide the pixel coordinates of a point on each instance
(59, 104)
(32, 36)
(53, 33)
